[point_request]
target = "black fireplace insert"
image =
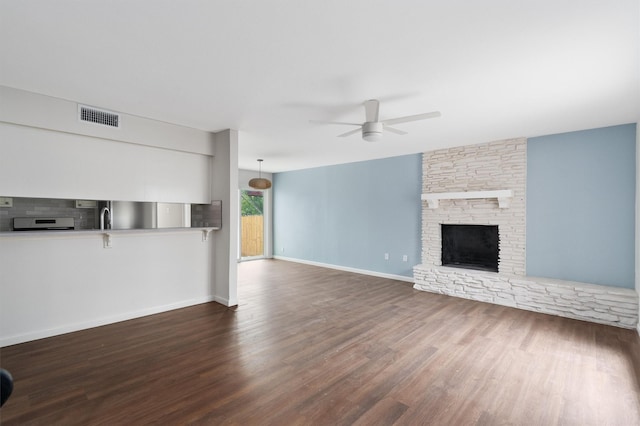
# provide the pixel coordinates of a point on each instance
(470, 246)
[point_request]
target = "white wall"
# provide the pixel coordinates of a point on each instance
(43, 163)
(638, 218)
(47, 152)
(46, 112)
(58, 283)
(52, 284)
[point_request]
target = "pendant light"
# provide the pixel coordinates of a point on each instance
(260, 182)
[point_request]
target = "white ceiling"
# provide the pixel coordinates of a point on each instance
(495, 68)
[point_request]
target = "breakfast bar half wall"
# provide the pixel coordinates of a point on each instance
(62, 281)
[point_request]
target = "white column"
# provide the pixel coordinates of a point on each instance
(224, 186)
(638, 217)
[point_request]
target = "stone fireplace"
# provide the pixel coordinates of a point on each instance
(486, 185)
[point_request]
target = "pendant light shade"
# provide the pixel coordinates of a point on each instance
(260, 182)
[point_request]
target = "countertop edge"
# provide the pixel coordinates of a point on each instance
(99, 232)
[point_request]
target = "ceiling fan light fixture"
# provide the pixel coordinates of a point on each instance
(372, 137)
(373, 128)
(372, 131)
(260, 182)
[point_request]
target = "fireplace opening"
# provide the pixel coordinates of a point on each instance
(470, 246)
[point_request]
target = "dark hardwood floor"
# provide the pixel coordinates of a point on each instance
(311, 346)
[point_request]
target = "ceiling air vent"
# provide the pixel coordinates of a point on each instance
(89, 114)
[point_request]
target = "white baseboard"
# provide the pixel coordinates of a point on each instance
(348, 269)
(68, 328)
(224, 301)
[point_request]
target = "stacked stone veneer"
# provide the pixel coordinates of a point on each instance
(496, 166)
(595, 303)
(492, 166)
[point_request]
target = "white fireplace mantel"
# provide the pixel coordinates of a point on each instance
(503, 195)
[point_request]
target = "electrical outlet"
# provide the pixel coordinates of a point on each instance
(405, 258)
(386, 256)
(282, 249)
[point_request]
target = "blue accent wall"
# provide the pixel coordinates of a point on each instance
(581, 206)
(350, 215)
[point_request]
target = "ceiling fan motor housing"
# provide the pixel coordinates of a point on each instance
(372, 131)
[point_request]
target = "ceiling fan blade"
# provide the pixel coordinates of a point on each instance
(349, 133)
(334, 122)
(409, 118)
(396, 131)
(372, 110)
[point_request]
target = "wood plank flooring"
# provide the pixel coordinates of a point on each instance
(311, 346)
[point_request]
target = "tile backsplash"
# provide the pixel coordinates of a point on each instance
(85, 218)
(207, 215)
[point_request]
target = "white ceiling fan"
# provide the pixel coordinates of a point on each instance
(372, 128)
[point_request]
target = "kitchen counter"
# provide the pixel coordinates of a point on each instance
(92, 232)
